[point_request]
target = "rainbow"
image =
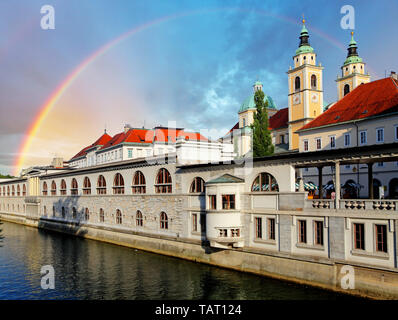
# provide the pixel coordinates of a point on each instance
(66, 83)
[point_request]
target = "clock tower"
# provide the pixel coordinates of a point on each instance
(305, 99)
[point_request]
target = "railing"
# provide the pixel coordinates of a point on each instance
(354, 204)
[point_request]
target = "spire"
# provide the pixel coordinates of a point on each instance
(352, 55)
(304, 46)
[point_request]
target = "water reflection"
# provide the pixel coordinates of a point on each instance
(86, 269)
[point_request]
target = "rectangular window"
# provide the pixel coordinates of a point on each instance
(194, 222)
(380, 135)
(380, 164)
(305, 145)
(282, 139)
(363, 139)
(213, 202)
(359, 236)
(318, 232)
(228, 201)
(347, 140)
(332, 142)
(381, 237)
(396, 132)
(271, 229)
(259, 228)
(235, 233)
(130, 153)
(348, 166)
(318, 143)
(223, 232)
(302, 231)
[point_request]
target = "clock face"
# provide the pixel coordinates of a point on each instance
(314, 97)
(296, 98)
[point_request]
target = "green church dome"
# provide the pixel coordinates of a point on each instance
(249, 103)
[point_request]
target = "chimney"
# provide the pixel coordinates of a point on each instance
(127, 127)
(394, 75)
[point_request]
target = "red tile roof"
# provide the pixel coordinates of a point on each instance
(371, 99)
(279, 119)
(99, 142)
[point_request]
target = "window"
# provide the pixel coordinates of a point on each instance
(302, 231)
(63, 188)
(163, 182)
(53, 188)
(271, 229)
(346, 89)
(228, 201)
(363, 137)
(348, 166)
(223, 232)
(86, 214)
(139, 219)
(212, 202)
(74, 213)
(313, 81)
(380, 164)
(24, 190)
(347, 139)
(45, 188)
(318, 232)
(164, 223)
(297, 84)
(244, 122)
(101, 215)
(282, 139)
(53, 211)
(130, 153)
(139, 183)
(259, 228)
(396, 132)
(197, 185)
(333, 142)
(318, 143)
(118, 184)
(265, 182)
(74, 187)
(194, 222)
(101, 185)
(380, 135)
(381, 237)
(359, 236)
(18, 190)
(63, 212)
(305, 145)
(8, 191)
(118, 217)
(86, 186)
(13, 191)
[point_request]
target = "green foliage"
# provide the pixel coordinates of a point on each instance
(262, 140)
(2, 176)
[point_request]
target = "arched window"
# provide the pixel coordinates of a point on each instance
(63, 188)
(53, 188)
(24, 190)
(18, 190)
(13, 191)
(101, 185)
(45, 188)
(74, 187)
(118, 217)
(346, 89)
(4, 191)
(101, 215)
(164, 221)
(86, 186)
(139, 183)
(86, 214)
(74, 213)
(313, 81)
(265, 182)
(118, 184)
(163, 182)
(197, 185)
(139, 220)
(8, 191)
(297, 84)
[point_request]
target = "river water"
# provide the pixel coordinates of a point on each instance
(88, 269)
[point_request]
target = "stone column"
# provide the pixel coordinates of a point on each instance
(370, 180)
(320, 188)
(337, 186)
(301, 180)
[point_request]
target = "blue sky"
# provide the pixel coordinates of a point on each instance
(195, 69)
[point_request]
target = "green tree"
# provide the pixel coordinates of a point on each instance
(262, 140)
